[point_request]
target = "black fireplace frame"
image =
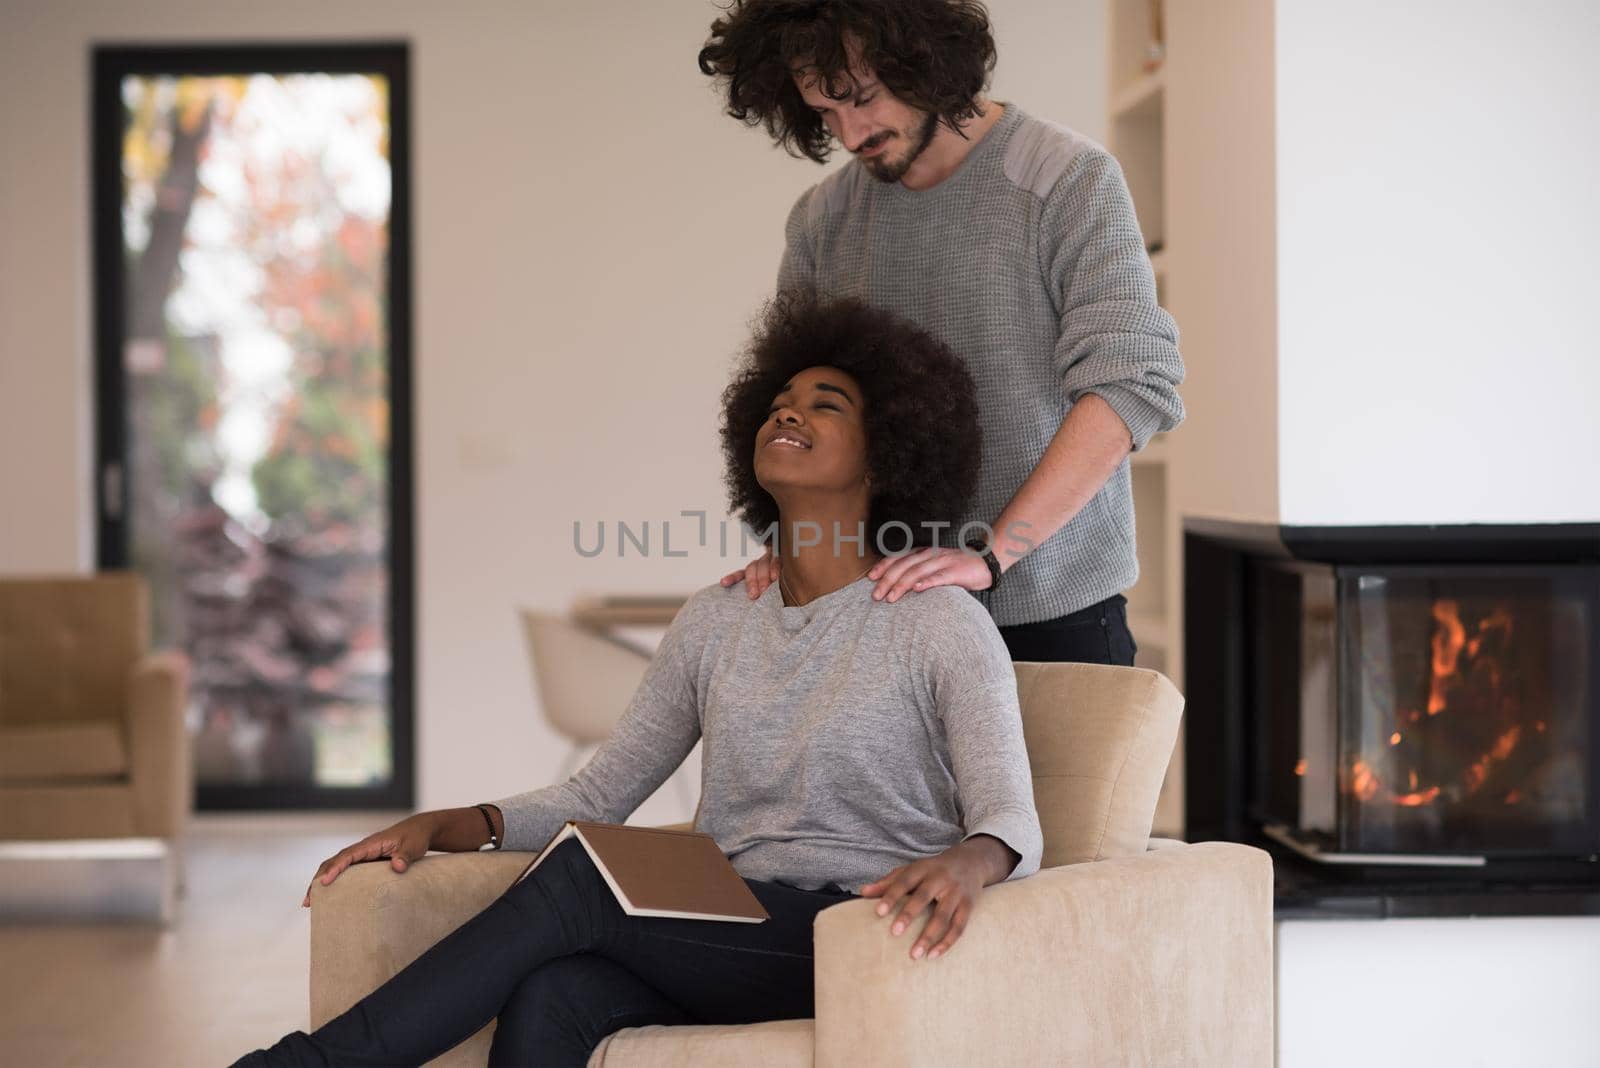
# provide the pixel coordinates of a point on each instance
(1219, 731)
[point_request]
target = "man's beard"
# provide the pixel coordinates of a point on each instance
(892, 171)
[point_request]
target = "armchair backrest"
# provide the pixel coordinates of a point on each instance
(1099, 739)
(68, 646)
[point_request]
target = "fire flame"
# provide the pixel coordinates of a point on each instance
(1363, 783)
(1478, 771)
(1459, 657)
(1422, 797)
(1448, 640)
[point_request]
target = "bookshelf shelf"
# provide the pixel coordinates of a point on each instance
(1154, 452)
(1150, 631)
(1138, 74)
(1140, 99)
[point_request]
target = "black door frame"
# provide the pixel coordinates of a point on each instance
(390, 59)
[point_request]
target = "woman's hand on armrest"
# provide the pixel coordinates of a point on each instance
(455, 830)
(405, 841)
(951, 882)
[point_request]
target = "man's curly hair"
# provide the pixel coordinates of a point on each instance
(919, 412)
(935, 55)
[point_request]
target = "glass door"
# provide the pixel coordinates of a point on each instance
(253, 409)
(1469, 710)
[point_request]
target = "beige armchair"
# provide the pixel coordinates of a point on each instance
(92, 737)
(1119, 950)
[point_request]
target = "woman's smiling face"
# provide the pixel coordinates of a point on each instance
(814, 437)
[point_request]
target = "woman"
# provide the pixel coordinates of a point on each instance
(852, 747)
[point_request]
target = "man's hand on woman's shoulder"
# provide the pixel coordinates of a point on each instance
(756, 576)
(926, 568)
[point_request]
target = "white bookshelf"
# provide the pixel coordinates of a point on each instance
(1139, 98)
(1154, 452)
(1138, 137)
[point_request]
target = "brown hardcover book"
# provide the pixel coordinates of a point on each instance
(654, 872)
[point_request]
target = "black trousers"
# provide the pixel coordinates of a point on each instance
(561, 965)
(1098, 634)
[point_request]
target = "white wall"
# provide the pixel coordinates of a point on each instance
(1437, 267)
(591, 236)
(1437, 363)
(1464, 992)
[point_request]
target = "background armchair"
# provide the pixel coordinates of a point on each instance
(1119, 950)
(92, 736)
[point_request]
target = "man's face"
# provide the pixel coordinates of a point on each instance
(871, 123)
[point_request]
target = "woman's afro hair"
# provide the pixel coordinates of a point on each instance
(920, 412)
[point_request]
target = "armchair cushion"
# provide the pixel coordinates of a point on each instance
(773, 1044)
(66, 751)
(67, 645)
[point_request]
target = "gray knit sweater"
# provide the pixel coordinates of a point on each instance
(843, 738)
(1028, 262)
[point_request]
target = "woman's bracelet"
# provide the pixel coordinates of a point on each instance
(494, 839)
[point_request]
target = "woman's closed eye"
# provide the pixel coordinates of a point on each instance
(824, 404)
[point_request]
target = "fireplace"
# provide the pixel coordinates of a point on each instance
(1405, 717)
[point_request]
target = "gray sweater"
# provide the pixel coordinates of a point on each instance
(1028, 262)
(843, 738)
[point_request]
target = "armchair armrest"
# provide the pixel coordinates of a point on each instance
(372, 921)
(1163, 958)
(158, 744)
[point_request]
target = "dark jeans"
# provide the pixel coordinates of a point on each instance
(562, 966)
(1098, 634)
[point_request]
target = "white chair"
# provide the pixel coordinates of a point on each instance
(584, 679)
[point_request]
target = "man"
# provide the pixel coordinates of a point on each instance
(1014, 241)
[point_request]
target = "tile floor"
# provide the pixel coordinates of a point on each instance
(228, 975)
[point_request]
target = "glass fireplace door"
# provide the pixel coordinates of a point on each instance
(1467, 711)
